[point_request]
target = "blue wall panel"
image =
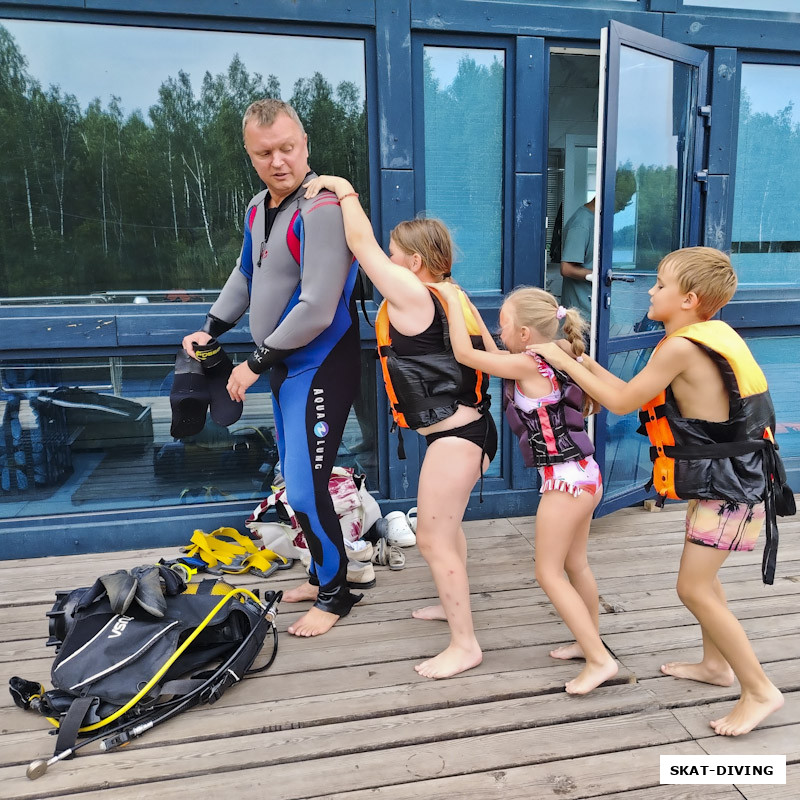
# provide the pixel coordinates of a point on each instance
(531, 19)
(716, 227)
(723, 108)
(395, 112)
(354, 12)
(721, 31)
(530, 100)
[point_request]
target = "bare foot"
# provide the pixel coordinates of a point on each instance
(699, 672)
(429, 612)
(450, 662)
(567, 651)
(314, 622)
(591, 676)
(298, 595)
(748, 712)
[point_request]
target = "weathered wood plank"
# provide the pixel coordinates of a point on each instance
(235, 764)
(695, 718)
(346, 716)
(673, 692)
(370, 724)
(789, 791)
(588, 776)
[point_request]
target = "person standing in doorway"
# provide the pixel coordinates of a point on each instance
(296, 275)
(577, 247)
(577, 258)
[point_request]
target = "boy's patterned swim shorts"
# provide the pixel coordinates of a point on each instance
(723, 524)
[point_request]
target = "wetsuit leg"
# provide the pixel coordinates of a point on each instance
(313, 406)
(277, 375)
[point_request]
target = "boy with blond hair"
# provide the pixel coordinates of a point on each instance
(709, 417)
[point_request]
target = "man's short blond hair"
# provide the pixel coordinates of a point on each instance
(265, 112)
(707, 272)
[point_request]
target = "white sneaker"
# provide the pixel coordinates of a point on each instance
(399, 533)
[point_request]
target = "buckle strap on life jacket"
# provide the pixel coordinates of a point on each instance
(718, 450)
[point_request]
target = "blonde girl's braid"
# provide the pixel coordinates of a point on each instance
(575, 328)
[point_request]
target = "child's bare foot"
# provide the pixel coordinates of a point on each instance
(429, 612)
(718, 676)
(567, 651)
(298, 595)
(450, 662)
(747, 713)
(591, 676)
(314, 622)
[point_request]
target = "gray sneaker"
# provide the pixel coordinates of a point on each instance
(360, 574)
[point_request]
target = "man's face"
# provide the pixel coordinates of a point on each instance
(279, 154)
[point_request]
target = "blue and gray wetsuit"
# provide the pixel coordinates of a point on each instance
(297, 277)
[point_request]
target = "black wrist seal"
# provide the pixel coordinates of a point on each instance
(215, 326)
(262, 358)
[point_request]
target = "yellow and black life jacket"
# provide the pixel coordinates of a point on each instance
(735, 460)
(425, 389)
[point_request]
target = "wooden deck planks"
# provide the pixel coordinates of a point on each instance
(337, 719)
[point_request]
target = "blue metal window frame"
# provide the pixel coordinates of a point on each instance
(623, 36)
(142, 330)
(755, 307)
(686, 7)
(758, 312)
(487, 304)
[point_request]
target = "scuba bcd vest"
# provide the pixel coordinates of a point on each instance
(553, 433)
(735, 460)
(115, 675)
(425, 389)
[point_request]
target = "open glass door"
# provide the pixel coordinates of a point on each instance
(651, 131)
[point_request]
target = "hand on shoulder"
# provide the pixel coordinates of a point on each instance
(447, 289)
(553, 353)
(340, 186)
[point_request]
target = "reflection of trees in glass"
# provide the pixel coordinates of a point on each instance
(464, 163)
(93, 201)
(656, 230)
(765, 208)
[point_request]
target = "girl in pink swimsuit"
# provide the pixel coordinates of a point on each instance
(546, 411)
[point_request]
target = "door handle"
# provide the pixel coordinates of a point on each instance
(610, 276)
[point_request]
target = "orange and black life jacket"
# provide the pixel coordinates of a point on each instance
(425, 389)
(735, 460)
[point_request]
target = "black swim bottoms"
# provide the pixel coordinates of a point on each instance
(481, 432)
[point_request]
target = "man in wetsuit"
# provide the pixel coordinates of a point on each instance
(296, 276)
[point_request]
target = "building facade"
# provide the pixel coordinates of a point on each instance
(124, 185)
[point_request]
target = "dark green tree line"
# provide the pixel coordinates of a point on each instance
(96, 200)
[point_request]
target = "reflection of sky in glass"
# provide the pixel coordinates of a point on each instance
(754, 5)
(775, 86)
(645, 132)
(92, 61)
(445, 65)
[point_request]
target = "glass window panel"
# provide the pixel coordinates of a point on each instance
(653, 151)
(765, 233)
(777, 356)
(93, 434)
(126, 171)
(627, 458)
(463, 99)
(792, 6)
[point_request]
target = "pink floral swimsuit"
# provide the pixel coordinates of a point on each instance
(574, 477)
